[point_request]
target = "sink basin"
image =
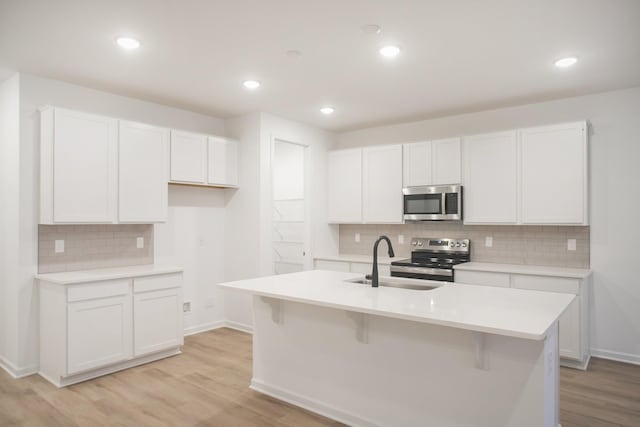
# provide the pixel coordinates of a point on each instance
(397, 283)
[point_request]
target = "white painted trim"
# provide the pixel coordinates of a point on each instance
(239, 326)
(634, 359)
(16, 372)
(576, 364)
(192, 330)
(311, 405)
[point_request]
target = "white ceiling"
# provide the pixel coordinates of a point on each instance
(457, 55)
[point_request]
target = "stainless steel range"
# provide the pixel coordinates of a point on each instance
(432, 259)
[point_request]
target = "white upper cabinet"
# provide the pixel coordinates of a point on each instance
(144, 172)
(382, 184)
(431, 162)
(490, 178)
(417, 164)
(554, 174)
(222, 162)
(345, 186)
(78, 177)
(446, 161)
(188, 157)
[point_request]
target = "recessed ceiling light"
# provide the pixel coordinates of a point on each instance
(251, 84)
(372, 29)
(390, 51)
(327, 110)
(128, 43)
(566, 62)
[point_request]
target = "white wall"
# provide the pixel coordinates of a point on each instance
(9, 220)
(249, 210)
(186, 207)
(614, 205)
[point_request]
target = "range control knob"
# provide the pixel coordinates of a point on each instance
(420, 243)
(414, 243)
(464, 245)
(452, 244)
(458, 244)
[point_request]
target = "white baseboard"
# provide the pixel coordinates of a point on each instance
(239, 326)
(311, 405)
(16, 372)
(634, 359)
(191, 330)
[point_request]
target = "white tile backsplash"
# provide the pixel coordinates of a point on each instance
(511, 244)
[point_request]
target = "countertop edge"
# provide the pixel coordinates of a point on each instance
(355, 258)
(89, 276)
(438, 322)
(529, 270)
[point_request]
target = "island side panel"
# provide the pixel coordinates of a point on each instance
(397, 372)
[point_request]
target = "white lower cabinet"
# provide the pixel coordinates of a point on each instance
(573, 328)
(91, 329)
(99, 333)
(157, 320)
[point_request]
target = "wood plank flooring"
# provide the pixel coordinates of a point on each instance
(208, 386)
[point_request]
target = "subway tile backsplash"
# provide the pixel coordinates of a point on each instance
(512, 244)
(93, 246)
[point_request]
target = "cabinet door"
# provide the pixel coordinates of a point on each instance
(223, 162)
(554, 174)
(417, 164)
(446, 161)
(490, 178)
(157, 321)
(143, 152)
(382, 184)
(188, 157)
(85, 168)
(345, 186)
(99, 333)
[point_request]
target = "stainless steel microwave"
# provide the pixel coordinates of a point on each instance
(433, 203)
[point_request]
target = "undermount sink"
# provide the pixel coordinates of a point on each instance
(393, 283)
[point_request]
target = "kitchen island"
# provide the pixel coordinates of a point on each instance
(456, 355)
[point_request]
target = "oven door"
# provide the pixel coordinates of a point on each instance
(432, 203)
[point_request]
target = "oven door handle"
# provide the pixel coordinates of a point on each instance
(422, 270)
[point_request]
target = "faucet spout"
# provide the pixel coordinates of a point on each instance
(374, 273)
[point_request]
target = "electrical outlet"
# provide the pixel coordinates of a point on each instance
(571, 244)
(488, 241)
(59, 246)
(186, 307)
(357, 238)
(140, 242)
(401, 239)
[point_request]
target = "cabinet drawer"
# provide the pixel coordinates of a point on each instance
(483, 278)
(332, 265)
(154, 283)
(104, 289)
(548, 284)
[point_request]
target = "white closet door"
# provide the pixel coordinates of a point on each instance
(143, 166)
(85, 174)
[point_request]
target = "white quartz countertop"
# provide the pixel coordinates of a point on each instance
(534, 270)
(359, 258)
(502, 311)
(82, 276)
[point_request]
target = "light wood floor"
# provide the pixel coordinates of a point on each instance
(208, 386)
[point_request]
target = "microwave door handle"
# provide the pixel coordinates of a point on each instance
(443, 204)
